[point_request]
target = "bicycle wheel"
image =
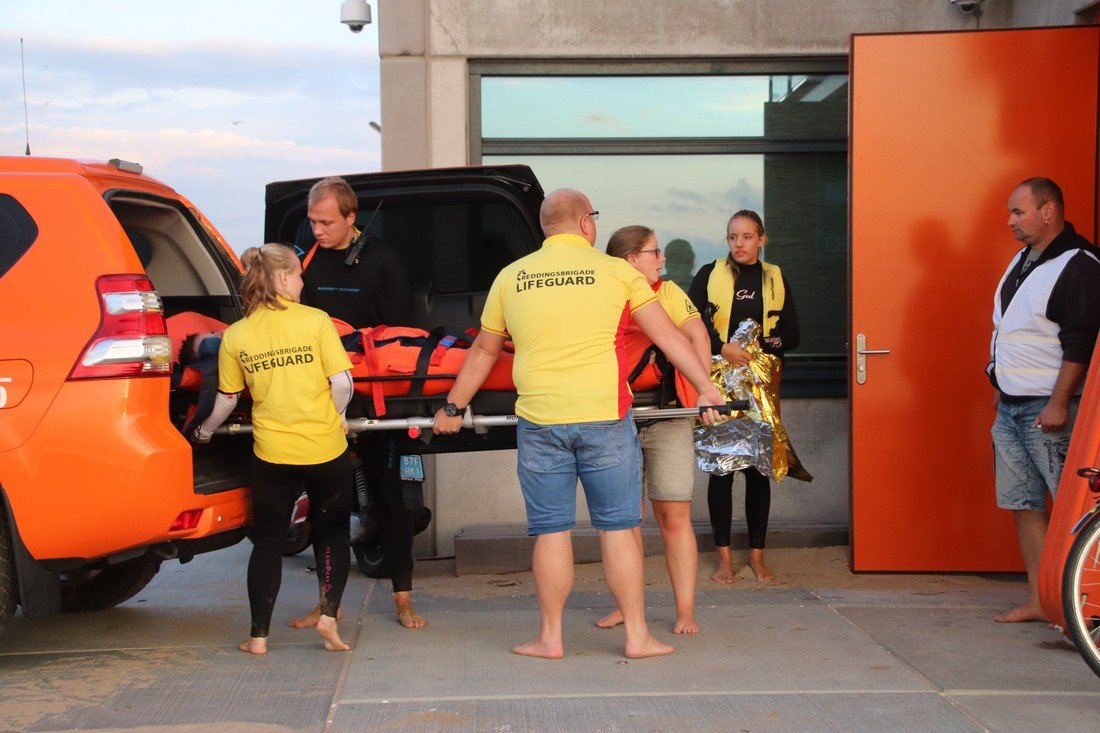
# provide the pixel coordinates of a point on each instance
(1081, 593)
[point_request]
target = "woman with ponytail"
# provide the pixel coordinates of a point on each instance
(290, 358)
(726, 292)
(668, 461)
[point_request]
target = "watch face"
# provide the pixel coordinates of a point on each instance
(450, 409)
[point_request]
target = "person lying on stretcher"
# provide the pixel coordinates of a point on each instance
(197, 346)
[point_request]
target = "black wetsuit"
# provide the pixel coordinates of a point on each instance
(747, 303)
(372, 293)
(275, 486)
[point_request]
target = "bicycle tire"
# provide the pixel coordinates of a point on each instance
(1081, 593)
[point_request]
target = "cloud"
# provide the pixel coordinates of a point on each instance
(688, 195)
(690, 202)
(170, 146)
(302, 110)
(602, 119)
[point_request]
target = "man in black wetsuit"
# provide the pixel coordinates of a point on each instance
(373, 290)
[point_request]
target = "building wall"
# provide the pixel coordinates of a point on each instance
(1029, 13)
(425, 46)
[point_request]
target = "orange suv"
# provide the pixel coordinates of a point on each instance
(97, 485)
(103, 271)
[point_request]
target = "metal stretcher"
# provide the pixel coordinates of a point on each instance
(480, 423)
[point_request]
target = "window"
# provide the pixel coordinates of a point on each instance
(680, 152)
(571, 107)
(17, 232)
(187, 267)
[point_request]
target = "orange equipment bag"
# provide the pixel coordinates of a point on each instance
(399, 360)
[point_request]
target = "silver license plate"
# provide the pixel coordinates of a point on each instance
(412, 468)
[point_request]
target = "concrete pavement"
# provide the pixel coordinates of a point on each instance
(819, 650)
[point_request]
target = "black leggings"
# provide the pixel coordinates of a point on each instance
(378, 452)
(275, 486)
(758, 499)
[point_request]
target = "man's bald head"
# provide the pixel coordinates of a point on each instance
(566, 211)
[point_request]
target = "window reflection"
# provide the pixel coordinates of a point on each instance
(799, 106)
(687, 200)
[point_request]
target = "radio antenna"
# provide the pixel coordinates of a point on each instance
(26, 120)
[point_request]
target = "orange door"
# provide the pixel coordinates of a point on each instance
(943, 126)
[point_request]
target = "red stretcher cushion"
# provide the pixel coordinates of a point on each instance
(398, 351)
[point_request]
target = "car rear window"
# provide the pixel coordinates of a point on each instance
(17, 232)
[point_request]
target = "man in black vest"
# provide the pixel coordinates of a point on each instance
(369, 290)
(1045, 319)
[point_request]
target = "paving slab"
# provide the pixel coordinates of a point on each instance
(819, 649)
(847, 712)
(1020, 710)
(938, 592)
(742, 649)
(192, 605)
(962, 649)
(168, 657)
(165, 687)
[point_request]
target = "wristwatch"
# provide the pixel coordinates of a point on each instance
(452, 410)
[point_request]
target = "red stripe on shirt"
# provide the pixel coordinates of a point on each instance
(622, 359)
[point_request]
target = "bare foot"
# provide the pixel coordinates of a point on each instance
(686, 625)
(1027, 612)
(403, 605)
(310, 619)
(537, 648)
(611, 620)
(648, 648)
(723, 569)
(756, 562)
(326, 629)
(254, 645)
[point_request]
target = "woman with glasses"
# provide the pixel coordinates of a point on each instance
(668, 460)
(728, 291)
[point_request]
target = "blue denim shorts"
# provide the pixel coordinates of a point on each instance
(605, 456)
(1027, 461)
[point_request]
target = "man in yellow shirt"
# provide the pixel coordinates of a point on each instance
(566, 307)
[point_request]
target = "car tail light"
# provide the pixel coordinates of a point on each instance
(188, 519)
(132, 339)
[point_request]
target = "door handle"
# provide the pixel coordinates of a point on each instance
(861, 357)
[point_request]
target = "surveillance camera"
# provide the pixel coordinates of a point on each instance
(355, 14)
(968, 7)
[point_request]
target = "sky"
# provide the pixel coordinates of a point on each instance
(215, 98)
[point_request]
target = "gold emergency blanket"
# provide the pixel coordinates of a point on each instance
(753, 437)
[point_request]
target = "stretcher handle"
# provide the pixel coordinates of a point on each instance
(651, 413)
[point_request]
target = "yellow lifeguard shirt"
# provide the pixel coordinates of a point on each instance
(285, 358)
(567, 307)
(676, 302)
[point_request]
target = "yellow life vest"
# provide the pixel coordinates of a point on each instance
(720, 287)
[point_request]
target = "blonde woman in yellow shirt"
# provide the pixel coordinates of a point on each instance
(290, 358)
